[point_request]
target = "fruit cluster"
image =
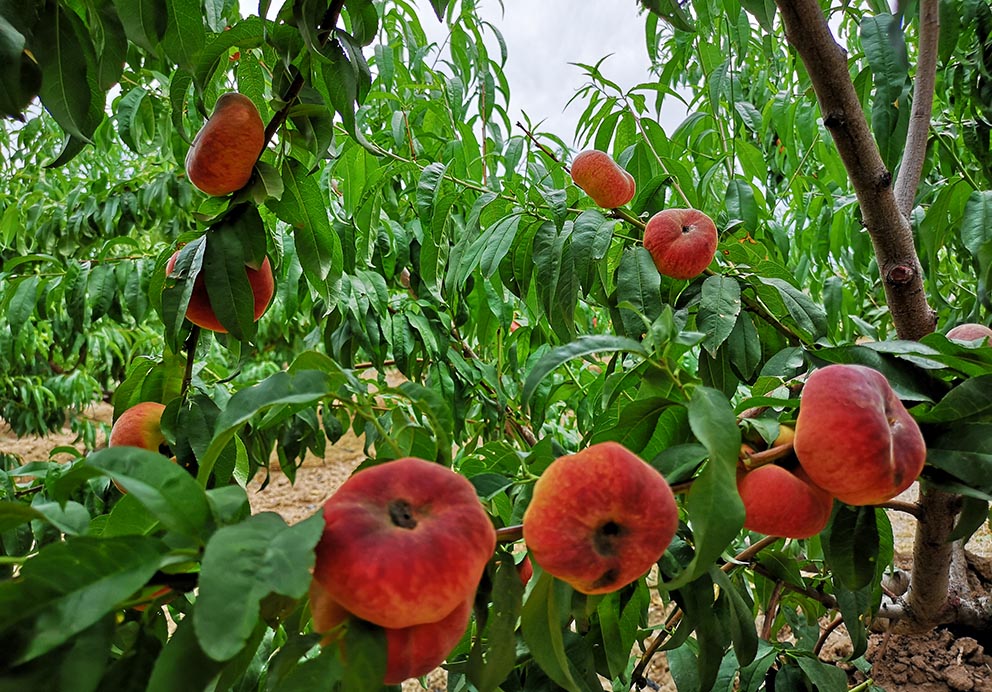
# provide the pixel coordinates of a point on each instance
(220, 161)
(682, 242)
(404, 546)
(854, 441)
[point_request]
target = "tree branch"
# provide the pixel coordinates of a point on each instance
(919, 120)
(826, 62)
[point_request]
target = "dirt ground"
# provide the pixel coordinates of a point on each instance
(902, 664)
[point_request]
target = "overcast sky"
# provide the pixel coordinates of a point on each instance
(542, 37)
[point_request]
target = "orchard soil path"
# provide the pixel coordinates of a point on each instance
(942, 663)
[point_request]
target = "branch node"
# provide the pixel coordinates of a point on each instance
(900, 275)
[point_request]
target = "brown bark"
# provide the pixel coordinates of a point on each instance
(807, 30)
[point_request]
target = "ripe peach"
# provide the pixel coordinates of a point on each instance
(969, 332)
(854, 438)
(199, 311)
(599, 518)
(780, 502)
(682, 242)
(525, 569)
(602, 178)
(410, 651)
(404, 543)
(140, 426)
(224, 151)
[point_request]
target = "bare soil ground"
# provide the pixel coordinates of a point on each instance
(944, 662)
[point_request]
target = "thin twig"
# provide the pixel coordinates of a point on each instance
(827, 631)
(771, 611)
(915, 151)
(543, 148)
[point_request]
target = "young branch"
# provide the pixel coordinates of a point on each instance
(919, 120)
(807, 30)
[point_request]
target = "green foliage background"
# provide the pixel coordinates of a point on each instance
(413, 227)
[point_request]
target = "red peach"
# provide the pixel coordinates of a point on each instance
(970, 331)
(780, 502)
(599, 518)
(224, 151)
(602, 178)
(410, 651)
(854, 438)
(682, 242)
(404, 543)
(199, 310)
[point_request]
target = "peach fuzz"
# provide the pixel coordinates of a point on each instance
(602, 178)
(224, 151)
(599, 518)
(682, 242)
(410, 651)
(199, 310)
(854, 438)
(780, 502)
(404, 543)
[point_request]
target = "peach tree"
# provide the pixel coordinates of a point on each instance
(416, 230)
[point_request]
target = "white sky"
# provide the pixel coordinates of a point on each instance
(542, 37)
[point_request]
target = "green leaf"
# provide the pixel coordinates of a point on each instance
(808, 315)
(164, 488)
(671, 11)
(741, 616)
(144, 21)
(719, 306)
(826, 676)
(68, 68)
(244, 563)
(183, 665)
(972, 399)
(638, 290)
(300, 387)
(494, 654)
(94, 576)
(14, 514)
(185, 33)
(885, 48)
(543, 619)
(248, 33)
(583, 346)
(304, 208)
(225, 277)
(850, 544)
(713, 504)
(20, 76)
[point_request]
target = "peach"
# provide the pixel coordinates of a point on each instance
(854, 438)
(404, 543)
(224, 151)
(140, 426)
(410, 651)
(682, 242)
(599, 518)
(780, 502)
(603, 179)
(199, 310)
(970, 331)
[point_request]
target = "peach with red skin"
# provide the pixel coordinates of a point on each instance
(224, 151)
(201, 313)
(140, 426)
(410, 651)
(970, 331)
(404, 543)
(602, 178)
(854, 438)
(682, 242)
(599, 518)
(781, 502)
